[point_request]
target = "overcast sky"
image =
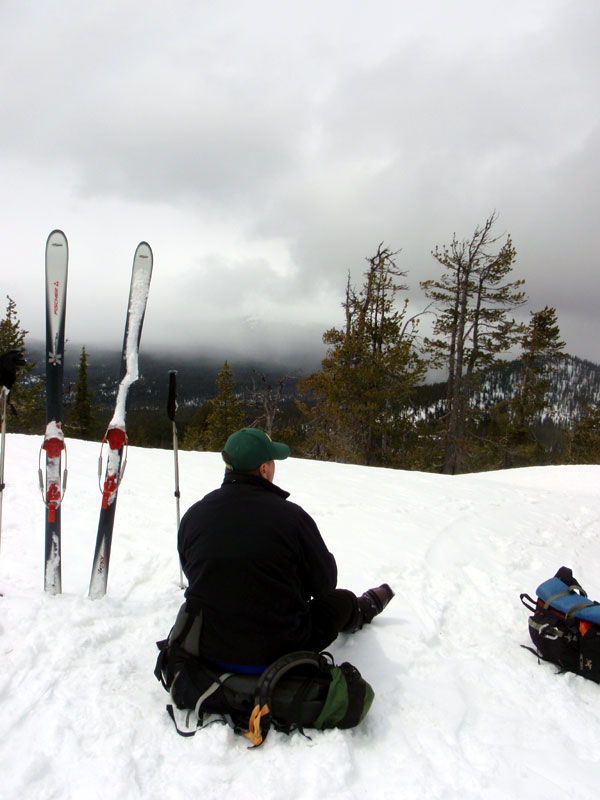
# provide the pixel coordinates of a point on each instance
(265, 148)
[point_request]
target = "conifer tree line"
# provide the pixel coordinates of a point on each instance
(360, 404)
(360, 407)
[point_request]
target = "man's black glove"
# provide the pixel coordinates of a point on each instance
(9, 364)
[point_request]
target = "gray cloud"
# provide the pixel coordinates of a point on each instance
(264, 149)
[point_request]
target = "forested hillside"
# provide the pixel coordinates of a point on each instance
(574, 385)
(574, 388)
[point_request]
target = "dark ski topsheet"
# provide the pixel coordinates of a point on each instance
(57, 259)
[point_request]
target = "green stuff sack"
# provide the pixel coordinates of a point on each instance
(348, 700)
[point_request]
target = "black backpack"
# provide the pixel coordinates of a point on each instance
(565, 625)
(300, 690)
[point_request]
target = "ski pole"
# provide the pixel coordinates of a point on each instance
(9, 364)
(171, 409)
(4, 396)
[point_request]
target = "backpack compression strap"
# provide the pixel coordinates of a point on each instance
(260, 719)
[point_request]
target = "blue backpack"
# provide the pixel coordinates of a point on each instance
(565, 625)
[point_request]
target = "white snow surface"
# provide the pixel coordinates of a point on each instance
(460, 710)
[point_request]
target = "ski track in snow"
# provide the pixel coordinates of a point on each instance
(461, 710)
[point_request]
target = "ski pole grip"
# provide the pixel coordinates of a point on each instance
(172, 399)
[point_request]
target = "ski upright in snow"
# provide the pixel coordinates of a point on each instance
(57, 261)
(116, 436)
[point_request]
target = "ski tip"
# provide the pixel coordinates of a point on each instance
(143, 250)
(56, 238)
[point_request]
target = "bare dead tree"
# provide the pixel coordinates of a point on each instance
(267, 396)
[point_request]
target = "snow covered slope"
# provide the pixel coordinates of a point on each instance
(460, 709)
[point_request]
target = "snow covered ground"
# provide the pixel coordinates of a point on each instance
(461, 711)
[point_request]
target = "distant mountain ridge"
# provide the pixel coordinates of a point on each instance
(575, 382)
(574, 385)
(196, 375)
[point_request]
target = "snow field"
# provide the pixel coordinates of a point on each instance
(460, 708)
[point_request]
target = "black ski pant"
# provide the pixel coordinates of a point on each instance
(331, 614)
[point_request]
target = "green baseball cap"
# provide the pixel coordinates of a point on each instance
(248, 448)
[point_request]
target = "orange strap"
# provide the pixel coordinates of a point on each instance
(254, 733)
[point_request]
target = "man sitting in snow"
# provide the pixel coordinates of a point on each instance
(258, 568)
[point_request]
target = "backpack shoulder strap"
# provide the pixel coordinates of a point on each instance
(161, 663)
(188, 621)
(260, 719)
(184, 635)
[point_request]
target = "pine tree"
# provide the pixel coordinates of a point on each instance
(12, 336)
(584, 447)
(368, 375)
(227, 413)
(81, 414)
(473, 299)
(542, 346)
(194, 434)
(24, 398)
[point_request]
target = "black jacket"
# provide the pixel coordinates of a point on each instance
(253, 560)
